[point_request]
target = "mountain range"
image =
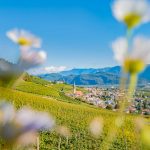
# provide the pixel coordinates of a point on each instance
(91, 76)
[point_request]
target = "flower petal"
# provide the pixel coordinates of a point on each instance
(120, 47)
(141, 49)
(124, 8)
(31, 58)
(27, 38)
(13, 35)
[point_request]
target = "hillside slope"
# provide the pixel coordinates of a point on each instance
(76, 116)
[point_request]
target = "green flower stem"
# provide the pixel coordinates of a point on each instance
(107, 143)
(133, 80)
(123, 81)
(132, 85)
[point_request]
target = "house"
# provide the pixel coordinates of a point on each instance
(79, 93)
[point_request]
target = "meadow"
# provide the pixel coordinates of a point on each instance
(75, 116)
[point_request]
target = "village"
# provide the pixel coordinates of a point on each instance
(109, 98)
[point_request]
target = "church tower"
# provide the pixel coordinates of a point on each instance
(74, 88)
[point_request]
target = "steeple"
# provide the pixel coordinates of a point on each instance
(74, 88)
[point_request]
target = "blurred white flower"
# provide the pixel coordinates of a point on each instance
(137, 58)
(24, 38)
(15, 125)
(7, 112)
(120, 47)
(132, 12)
(32, 120)
(63, 131)
(31, 58)
(96, 127)
(27, 139)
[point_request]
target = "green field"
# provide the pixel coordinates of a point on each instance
(44, 96)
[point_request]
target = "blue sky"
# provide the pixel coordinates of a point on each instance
(75, 33)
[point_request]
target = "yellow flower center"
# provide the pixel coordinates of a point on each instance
(133, 66)
(24, 42)
(132, 20)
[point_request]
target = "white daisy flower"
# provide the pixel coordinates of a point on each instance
(31, 120)
(17, 124)
(31, 58)
(136, 60)
(24, 38)
(131, 12)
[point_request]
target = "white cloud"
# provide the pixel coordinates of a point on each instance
(46, 70)
(53, 69)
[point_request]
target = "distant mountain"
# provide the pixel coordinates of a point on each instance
(84, 79)
(115, 70)
(101, 76)
(79, 71)
(52, 77)
(98, 78)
